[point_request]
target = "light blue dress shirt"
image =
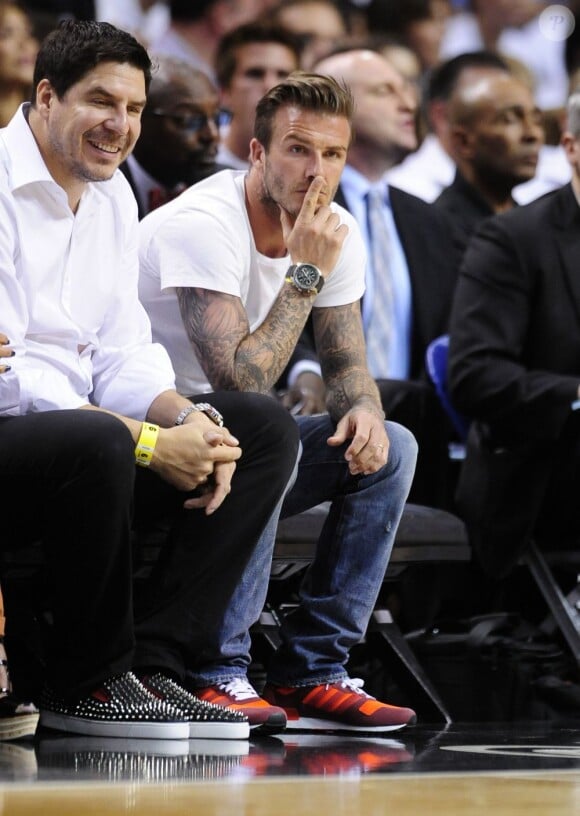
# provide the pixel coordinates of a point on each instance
(355, 188)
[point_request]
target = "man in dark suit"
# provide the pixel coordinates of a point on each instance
(180, 134)
(495, 138)
(514, 367)
(422, 258)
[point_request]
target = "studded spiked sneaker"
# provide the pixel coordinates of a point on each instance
(121, 707)
(239, 695)
(206, 720)
(341, 706)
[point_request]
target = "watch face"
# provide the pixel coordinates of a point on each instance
(307, 276)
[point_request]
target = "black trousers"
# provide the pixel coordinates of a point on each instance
(69, 479)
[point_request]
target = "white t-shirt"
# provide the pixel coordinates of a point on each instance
(203, 239)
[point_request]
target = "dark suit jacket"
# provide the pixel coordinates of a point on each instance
(126, 170)
(514, 366)
(465, 208)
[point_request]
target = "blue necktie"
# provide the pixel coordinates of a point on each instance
(380, 325)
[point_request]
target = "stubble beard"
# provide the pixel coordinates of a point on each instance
(272, 196)
(78, 168)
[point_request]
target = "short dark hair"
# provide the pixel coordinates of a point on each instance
(258, 31)
(313, 92)
(73, 49)
(443, 79)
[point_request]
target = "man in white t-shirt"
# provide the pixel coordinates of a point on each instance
(229, 273)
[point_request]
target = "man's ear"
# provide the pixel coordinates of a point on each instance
(257, 153)
(461, 143)
(571, 147)
(45, 95)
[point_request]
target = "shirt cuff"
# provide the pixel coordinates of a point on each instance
(300, 368)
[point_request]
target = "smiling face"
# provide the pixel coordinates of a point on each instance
(304, 144)
(87, 133)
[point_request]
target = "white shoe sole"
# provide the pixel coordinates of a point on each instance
(111, 728)
(315, 724)
(219, 730)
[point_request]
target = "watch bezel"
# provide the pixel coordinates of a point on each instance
(293, 277)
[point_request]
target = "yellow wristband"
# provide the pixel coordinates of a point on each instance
(146, 444)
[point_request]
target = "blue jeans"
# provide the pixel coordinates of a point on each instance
(340, 587)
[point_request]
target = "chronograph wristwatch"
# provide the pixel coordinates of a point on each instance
(306, 277)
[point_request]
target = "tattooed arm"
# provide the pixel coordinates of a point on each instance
(353, 399)
(232, 357)
(341, 349)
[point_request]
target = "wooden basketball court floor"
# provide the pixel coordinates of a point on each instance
(453, 770)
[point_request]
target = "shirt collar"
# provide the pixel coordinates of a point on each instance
(354, 184)
(26, 163)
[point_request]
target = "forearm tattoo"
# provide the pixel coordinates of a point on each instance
(341, 348)
(232, 357)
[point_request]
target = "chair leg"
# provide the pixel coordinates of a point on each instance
(265, 635)
(565, 614)
(389, 644)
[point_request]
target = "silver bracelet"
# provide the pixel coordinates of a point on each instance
(205, 408)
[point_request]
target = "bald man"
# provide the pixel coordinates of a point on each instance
(180, 135)
(495, 137)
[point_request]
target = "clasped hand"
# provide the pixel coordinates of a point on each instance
(198, 456)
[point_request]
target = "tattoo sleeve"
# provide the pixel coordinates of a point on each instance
(233, 357)
(341, 348)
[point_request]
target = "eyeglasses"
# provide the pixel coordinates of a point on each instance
(192, 122)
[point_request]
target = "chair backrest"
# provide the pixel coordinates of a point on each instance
(436, 363)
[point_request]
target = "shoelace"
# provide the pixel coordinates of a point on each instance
(354, 684)
(239, 688)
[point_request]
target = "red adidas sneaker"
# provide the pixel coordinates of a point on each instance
(241, 696)
(341, 706)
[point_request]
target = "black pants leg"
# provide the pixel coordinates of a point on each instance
(205, 556)
(67, 477)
